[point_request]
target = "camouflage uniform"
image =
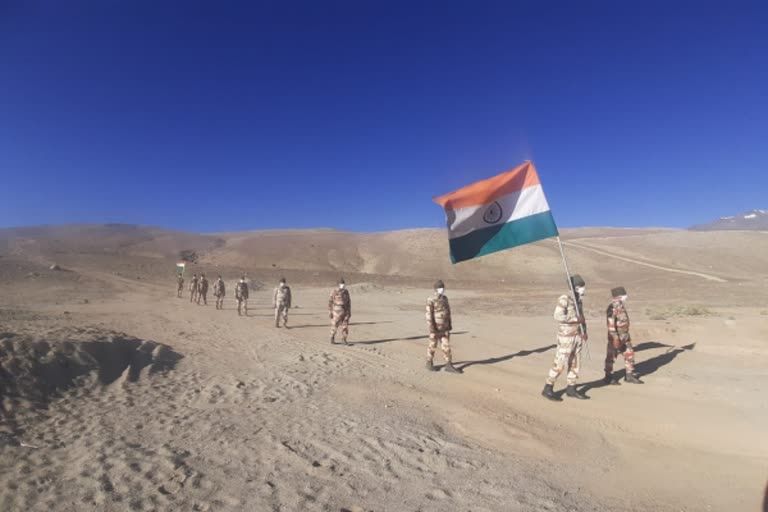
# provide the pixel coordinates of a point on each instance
(439, 322)
(202, 290)
(241, 294)
(340, 311)
(569, 341)
(219, 291)
(619, 340)
(193, 288)
(180, 285)
(571, 335)
(281, 301)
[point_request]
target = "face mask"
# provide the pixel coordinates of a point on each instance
(341, 286)
(622, 298)
(581, 290)
(282, 285)
(440, 291)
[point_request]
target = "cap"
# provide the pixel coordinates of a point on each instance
(439, 284)
(577, 281)
(618, 291)
(341, 280)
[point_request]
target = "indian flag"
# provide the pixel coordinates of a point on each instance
(498, 213)
(180, 266)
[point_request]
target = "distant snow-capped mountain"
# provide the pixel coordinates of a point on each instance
(752, 220)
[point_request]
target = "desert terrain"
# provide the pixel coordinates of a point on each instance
(116, 395)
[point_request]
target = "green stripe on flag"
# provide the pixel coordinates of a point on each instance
(503, 236)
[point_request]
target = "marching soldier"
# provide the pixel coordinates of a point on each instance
(241, 295)
(193, 288)
(202, 289)
(340, 311)
(219, 291)
(439, 322)
(179, 285)
(571, 335)
(281, 301)
(619, 340)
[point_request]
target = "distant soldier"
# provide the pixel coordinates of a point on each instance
(619, 340)
(179, 285)
(241, 295)
(202, 289)
(571, 335)
(193, 288)
(340, 311)
(219, 291)
(439, 322)
(281, 301)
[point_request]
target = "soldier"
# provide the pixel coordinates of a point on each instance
(193, 288)
(180, 285)
(340, 311)
(439, 322)
(202, 289)
(619, 340)
(241, 295)
(570, 339)
(281, 301)
(219, 291)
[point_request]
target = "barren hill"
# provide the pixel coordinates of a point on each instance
(650, 259)
(755, 220)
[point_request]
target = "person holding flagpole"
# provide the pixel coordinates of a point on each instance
(571, 334)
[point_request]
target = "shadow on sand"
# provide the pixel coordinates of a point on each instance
(646, 367)
(463, 365)
(328, 324)
(409, 338)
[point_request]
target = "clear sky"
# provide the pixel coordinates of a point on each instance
(213, 116)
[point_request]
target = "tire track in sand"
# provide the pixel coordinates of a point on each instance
(645, 264)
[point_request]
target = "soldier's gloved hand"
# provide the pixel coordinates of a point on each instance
(585, 337)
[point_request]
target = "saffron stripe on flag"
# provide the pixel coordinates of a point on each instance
(503, 236)
(489, 190)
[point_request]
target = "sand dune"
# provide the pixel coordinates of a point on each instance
(118, 396)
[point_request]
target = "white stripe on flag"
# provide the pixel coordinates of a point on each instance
(514, 206)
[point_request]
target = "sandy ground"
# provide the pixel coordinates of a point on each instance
(119, 396)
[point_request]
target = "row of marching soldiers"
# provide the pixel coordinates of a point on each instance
(571, 335)
(198, 292)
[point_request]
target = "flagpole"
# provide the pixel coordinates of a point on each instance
(579, 312)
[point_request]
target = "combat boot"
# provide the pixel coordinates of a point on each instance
(450, 368)
(610, 381)
(549, 393)
(430, 366)
(346, 343)
(333, 339)
(572, 392)
(632, 379)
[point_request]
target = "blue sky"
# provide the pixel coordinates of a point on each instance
(213, 116)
